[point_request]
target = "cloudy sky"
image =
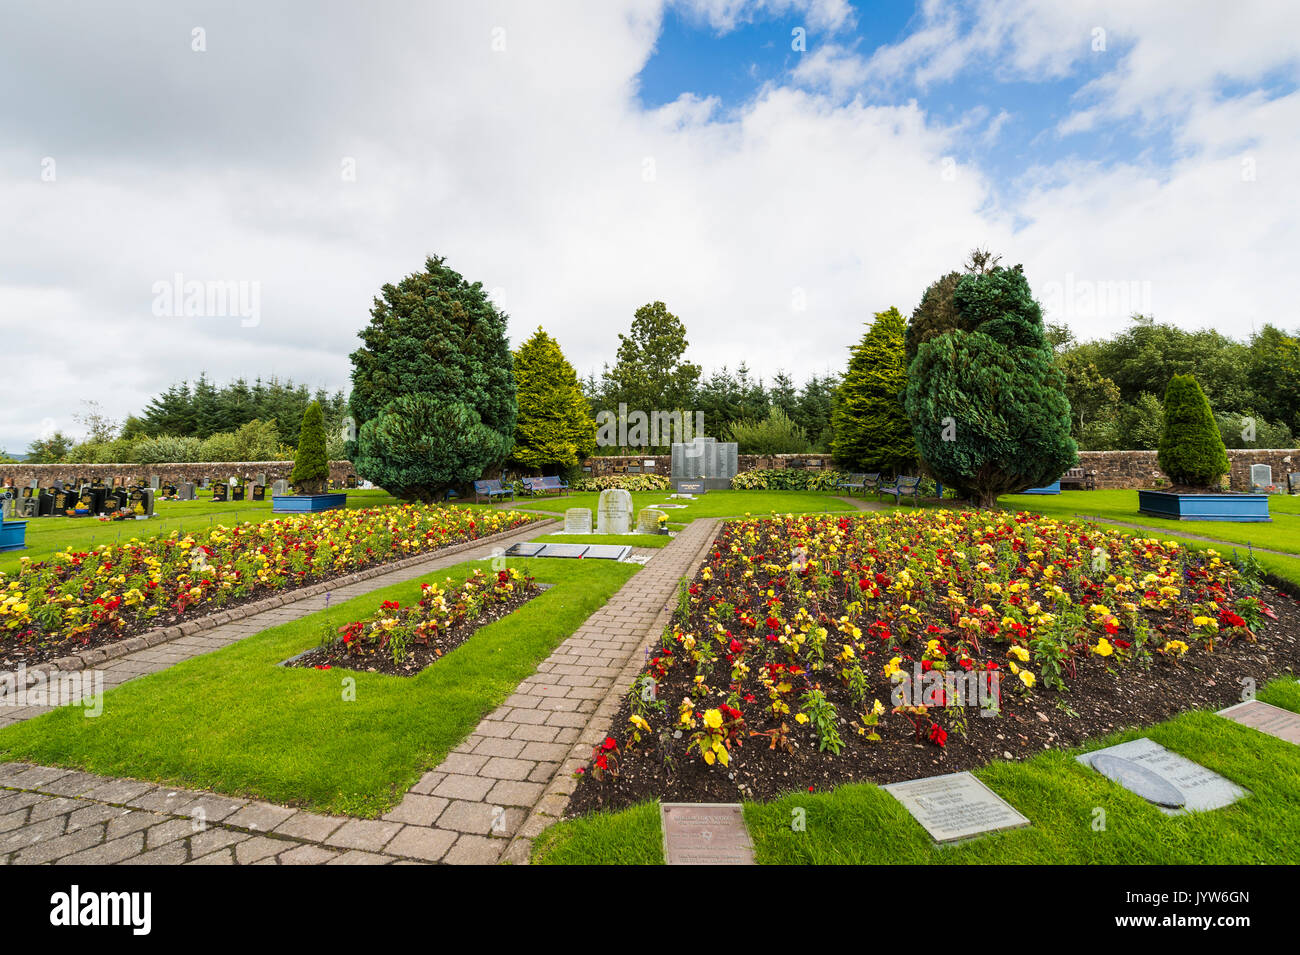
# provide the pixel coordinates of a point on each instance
(776, 171)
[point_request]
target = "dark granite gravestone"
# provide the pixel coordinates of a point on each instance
(219, 493)
(237, 492)
(259, 492)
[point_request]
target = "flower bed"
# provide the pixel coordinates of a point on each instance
(404, 640)
(79, 599)
(811, 651)
(627, 482)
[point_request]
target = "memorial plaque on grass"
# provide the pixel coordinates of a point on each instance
(701, 833)
(956, 806)
(1266, 718)
(577, 520)
(607, 552)
(1172, 783)
(524, 549)
(564, 550)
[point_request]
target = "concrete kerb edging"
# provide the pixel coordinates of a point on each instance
(152, 638)
(554, 800)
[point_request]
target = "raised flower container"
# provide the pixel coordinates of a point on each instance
(306, 503)
(1204, 507)
(1053, 488)
(13, 535)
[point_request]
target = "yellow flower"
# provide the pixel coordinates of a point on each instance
(1020, 653)
(1103, 648)
(713, 719)
(801, 718)
(1176, 647)
(1027, 678)
(639, 723)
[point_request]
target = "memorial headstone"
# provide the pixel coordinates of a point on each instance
(577, 520)
(351, 482)
(613, 511)
(1267, 718)
(237, 492)
(1261, 476)
(185, 492)
(219, 492)
(141, 503)
(261, 478)
(280, 488)
(259, 492)
(647, 521)
(1172, 783)
(705, 834)
(955, 807)
(704, 459)
(155, 482)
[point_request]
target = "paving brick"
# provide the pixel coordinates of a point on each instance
(260, 847)
(259, 816)
(462, 764)
(499, 767)
(464, 787)
(417, 810)
(108, 853)
(309, 826)
(474, 850)
(422, 842)
(369, 834)
(494, 746)
(465, 816)
(51, 849)
(513, 792)
(357, 857)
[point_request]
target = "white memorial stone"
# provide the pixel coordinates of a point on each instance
(647, 522)
(577, 520)
(1261, 476)
(614, 511)
(1173, 784)
(956, 806)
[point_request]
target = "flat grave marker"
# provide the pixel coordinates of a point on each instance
(955, 806)
(701, 833)
(1172, 783)
(524, 549)
(1266, 718)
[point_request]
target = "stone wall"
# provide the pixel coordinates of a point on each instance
(1134, 469)
(1115, 469)
(21, 475)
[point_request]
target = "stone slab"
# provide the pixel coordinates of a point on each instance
(572, 551)
(955, 806)
(1267, 718)
(698, 833)
(577, 520)
(524, 550)
(1172, 783)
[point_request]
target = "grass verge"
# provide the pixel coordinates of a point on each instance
(234, 722)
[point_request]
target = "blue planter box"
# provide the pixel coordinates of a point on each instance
(13, 535)
(1053, 488)
(306, 503)
(1204, 507)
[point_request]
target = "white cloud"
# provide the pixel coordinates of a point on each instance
(536, 171)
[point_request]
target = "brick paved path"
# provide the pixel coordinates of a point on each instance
(469, 810)
(121, 669)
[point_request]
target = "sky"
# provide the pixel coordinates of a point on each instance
(776, 171)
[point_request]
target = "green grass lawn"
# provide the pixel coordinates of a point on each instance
(234, 722)
(713, 504)
(863, 824)
(1282, 534)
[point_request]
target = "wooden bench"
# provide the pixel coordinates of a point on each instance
(491, 489)
(1079, 480)
(901, 487)
(852, 482)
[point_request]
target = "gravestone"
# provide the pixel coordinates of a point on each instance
(7, 498)
(280, 488)
(237, 492)
(524, 549)
(1173, 784)
(259, 492)
(577, 520)
(647, 522)
(956, 806)
(697, 833)
(219, 492)
(155, 482)
(691, 486)
(1261, 476)
(351, 482)
(261, 478)
(572, 551)
(185, 492)
(141, 502)
(207, 483)
(1266, 718)
(613, 511)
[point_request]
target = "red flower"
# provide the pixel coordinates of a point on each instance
(609, 744)
(938, 735)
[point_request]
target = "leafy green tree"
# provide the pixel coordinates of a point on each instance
(937, 313)
(49, 450)
(437, 338)
(1191, 449)
(554, 426)
(986, 400)
(311, 468)
(421, 444)
(871, 428)
(651, 372)
(775, 434)
(815, 407)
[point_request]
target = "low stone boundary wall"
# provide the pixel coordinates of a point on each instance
(22, 474)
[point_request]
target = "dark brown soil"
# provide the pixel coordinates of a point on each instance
(371, 659)
(1103, 696)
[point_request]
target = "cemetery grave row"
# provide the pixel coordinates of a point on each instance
(123, 500)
